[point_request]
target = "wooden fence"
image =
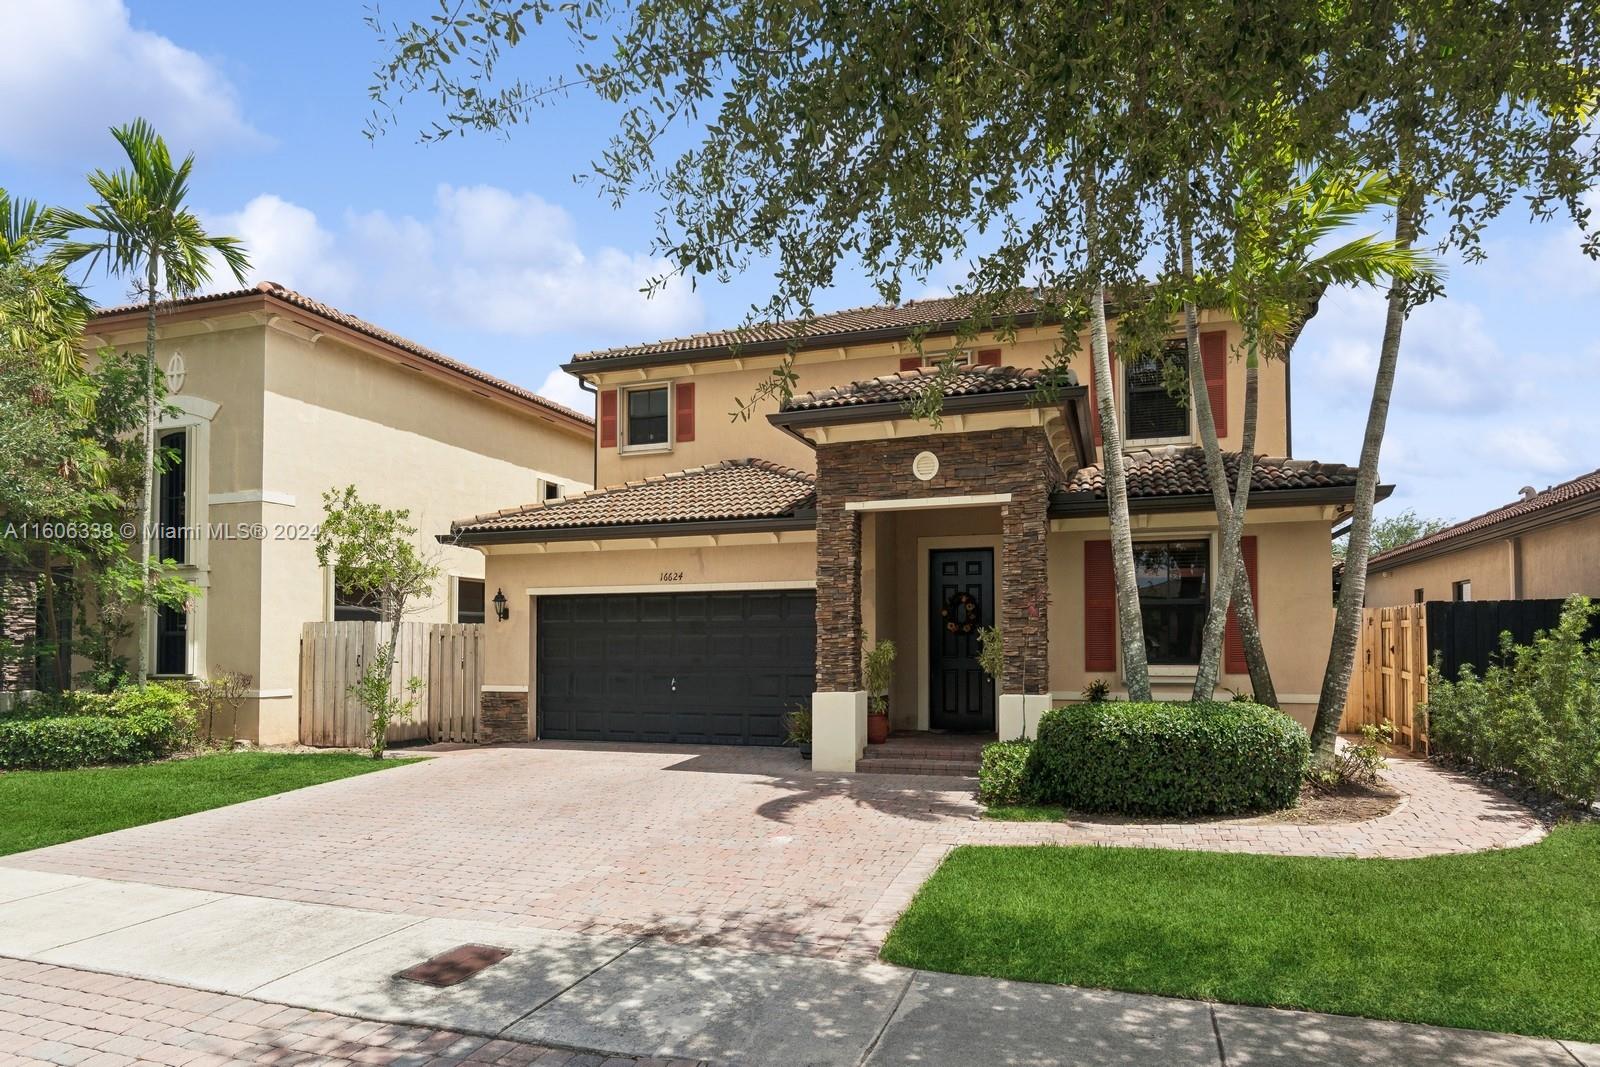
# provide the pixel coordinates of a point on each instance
(447, 657)
(1390, 679)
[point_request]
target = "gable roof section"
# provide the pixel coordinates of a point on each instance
(1581, 495)
(1167, 477)
(861, 325)
(273, 292)
(736, 492)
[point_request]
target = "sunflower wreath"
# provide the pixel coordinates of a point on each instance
(960, 613)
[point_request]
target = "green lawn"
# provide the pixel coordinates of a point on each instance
(1505, 940)
(47, 807)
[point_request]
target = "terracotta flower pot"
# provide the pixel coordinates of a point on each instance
(877, 728)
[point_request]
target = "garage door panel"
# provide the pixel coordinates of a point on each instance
(699, 668)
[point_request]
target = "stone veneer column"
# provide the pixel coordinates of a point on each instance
(838, 600)
(1024, 578)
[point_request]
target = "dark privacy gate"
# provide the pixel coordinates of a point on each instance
(718, 668)
(1462, 633)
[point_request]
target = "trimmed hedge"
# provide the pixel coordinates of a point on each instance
(1002, 776)
(1168, 759)
(131, 725)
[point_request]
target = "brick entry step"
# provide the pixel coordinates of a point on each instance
(949, 755)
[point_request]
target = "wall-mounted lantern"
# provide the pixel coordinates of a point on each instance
(501, 610)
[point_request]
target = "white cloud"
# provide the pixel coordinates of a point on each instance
(563, 389)
(287, 245)
(1450, 359)
(487, 260)
(74, 68)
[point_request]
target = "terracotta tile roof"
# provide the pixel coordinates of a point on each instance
(729, 490)
(817, 330)
(1585, 485)
(361, 326)
(1175, 471)
(908, 384)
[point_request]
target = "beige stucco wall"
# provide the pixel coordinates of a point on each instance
(1556, 561)
(1294, 605)
(1295, 599)
(297, 413)
(722, 384)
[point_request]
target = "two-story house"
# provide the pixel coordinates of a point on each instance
(277, 398)
(732, 569)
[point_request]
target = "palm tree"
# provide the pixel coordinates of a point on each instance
(141, 226)
(44, 316)
(1275, 283)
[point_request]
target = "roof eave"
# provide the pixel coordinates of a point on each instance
(881, 410)
(1064, 505)
(805, 519)
(875, 335)
(261, 299)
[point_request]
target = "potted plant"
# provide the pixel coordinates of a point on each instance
(877, 669)
(797, 725)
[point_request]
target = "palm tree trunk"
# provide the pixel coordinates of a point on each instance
(1130, 623)
(1353, 590)
(1230, 563)
(1255, 655)
(142, 619)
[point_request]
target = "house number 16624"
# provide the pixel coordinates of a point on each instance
(672, 576)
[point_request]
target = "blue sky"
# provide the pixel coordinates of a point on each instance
(487, 249)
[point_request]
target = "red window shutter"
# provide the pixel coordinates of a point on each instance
(608, 418)
(1094, 410)
(683, 415)
(988, 357)
(1099, 608)
(1214, 358)
(1233, 661)
(910, 362)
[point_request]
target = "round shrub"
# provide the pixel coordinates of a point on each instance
(1169, 759)
(130, 725)
(1002, 776)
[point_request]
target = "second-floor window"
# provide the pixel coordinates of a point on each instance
(646, 417)
(172, 495)
(1152, 411)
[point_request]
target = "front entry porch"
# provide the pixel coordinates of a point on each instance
(929, 563)
(926, 752)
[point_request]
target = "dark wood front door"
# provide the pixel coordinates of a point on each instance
(960, 600)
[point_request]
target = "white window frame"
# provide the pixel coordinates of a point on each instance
(1132, 443)
(1461, 591)
(193, 416)
(625, 446)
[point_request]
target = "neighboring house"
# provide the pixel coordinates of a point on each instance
(732, 569)
(1540, 546)
(280, 398)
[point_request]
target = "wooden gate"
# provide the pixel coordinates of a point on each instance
(1390, 680)
(447, 658)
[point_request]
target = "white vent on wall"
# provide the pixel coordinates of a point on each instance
(925, 466)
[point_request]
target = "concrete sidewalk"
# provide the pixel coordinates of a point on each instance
(645, 998)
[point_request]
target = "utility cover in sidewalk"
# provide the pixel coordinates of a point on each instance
(457, 965)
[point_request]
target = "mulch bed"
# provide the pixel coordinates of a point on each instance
(1347, 803)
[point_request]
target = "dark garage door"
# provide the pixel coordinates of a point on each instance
(699, 668)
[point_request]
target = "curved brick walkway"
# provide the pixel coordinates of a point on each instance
(737, 847)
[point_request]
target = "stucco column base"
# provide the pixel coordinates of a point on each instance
(838, 730)
(1017, 715)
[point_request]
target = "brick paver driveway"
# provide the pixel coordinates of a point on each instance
(738, 847)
